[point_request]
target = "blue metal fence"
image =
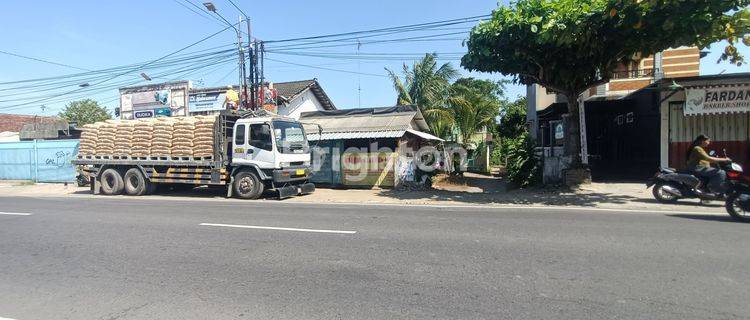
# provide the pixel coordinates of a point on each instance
(38, 160)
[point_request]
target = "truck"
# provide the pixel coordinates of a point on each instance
(252, 152)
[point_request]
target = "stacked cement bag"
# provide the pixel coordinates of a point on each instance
(182, 137)
(87, 146)
(105, 139)
(124, 138)
(203, 142)
(142, 134)
(161, 142)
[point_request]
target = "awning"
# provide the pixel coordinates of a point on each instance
(424, 135)
(314, 136)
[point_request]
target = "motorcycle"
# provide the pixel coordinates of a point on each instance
(670, 185)
(737, 203)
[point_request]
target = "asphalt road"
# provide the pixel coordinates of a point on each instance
(124, 258)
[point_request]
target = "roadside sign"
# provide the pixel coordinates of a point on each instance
(144, 114)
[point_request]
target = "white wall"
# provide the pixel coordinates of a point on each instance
(304, 102)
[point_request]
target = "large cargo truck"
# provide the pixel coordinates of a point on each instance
(252, 153)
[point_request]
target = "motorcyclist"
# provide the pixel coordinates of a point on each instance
(699, 163)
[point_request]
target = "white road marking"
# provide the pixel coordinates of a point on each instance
(1, 318)
(14, 214)
(275, 228)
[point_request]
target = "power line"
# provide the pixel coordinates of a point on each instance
(329, 69)
(126, 72)
(418, 25)
(42, 60)
(194, 11)
(238, 9)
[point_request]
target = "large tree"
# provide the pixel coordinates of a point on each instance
(84, 112)
(426, 85)
(569, 46)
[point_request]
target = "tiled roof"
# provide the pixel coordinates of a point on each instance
(290, 90)
(14, 122)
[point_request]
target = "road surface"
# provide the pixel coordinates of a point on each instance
(128, 258)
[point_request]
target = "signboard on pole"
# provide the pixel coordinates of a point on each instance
(700, 101)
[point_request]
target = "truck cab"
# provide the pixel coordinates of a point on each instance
(270, 153)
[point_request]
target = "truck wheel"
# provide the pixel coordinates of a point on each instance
(111, 182)
(135, 183)
(247, 185)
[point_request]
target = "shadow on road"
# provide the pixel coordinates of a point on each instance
(686, 202)
(705, 217)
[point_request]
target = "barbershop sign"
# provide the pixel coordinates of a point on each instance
(717, 100)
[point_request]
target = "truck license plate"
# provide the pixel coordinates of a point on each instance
(300, 172)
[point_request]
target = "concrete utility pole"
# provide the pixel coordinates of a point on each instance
(250, 98)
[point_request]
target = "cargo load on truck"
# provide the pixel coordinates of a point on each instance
(247, 152)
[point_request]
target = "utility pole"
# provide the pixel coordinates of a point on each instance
(250, 50)
(240, 56)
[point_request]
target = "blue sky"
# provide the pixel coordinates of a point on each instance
(101, 34)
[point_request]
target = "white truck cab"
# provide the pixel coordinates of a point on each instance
(275, 149)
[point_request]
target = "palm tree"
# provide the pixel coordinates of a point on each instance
(427, 85)
(471, 110)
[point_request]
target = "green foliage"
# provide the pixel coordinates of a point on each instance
(569, 46)
(512, 119)
(473, 105)
(85, 112)
(523, 167)
(426, 85)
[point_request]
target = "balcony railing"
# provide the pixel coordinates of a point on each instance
(630, 74)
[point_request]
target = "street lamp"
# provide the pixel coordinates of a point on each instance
(210, 6)
(145, 76)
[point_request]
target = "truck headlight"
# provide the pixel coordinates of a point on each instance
(306, 163)
(285, 164)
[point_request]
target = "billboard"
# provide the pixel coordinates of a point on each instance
(213, 101)
(158, 100)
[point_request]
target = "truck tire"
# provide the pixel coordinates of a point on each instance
(111, 182)
(247, 185)
(136, 183)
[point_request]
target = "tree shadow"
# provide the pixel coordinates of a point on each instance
(706, 217)
(684, 202)
(545, 196)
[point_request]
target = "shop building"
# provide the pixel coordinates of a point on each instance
(367, 147)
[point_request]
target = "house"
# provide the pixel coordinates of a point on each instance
(296, 97)
(366, 147)
(179, 98)
(16, 127)
(620, 121)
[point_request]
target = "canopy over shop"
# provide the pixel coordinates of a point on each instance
(367, 147)
(716, 105)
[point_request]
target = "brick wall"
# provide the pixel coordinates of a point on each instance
(628, 85)
(14, 122)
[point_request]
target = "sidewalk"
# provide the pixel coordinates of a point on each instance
(625, 196)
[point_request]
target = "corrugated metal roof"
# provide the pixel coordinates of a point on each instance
(423, 135)
(356, 135)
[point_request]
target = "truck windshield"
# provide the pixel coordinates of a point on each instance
(290, 137)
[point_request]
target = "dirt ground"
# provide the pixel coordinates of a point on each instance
(471, 190)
